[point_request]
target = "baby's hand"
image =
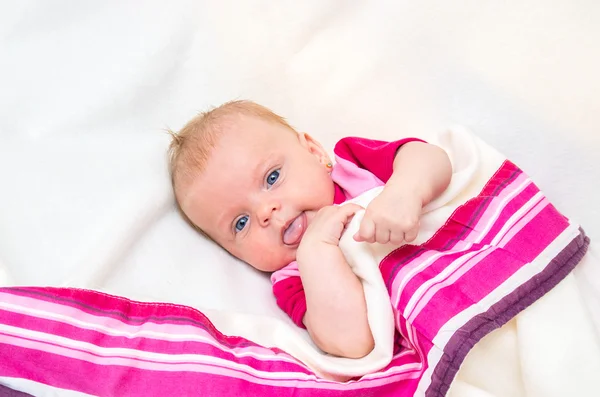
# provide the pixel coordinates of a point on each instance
(329, 223)
(392, 217)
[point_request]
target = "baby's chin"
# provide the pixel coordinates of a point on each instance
(274, 266)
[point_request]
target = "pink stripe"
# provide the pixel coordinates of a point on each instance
(401, 298)
(76, 370)
(513, 206)
(141, 345)
(523, 221)
(450, 279)
(125, 311)
(404, 274)
(116, 309)
(169, 332)
(455, 299)
(497, 205)
(200, 366)
(535, 236)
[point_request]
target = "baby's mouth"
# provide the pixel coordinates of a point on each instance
(293, 231)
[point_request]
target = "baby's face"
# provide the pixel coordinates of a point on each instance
(261, 188)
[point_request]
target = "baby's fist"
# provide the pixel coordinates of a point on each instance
(390, 218)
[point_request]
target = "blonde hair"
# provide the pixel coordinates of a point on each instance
(191, 147)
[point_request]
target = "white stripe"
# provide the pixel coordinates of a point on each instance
(517, 216)
(501, 207)
(542, 204)
(423, 288)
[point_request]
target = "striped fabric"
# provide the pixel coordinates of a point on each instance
(495, 256)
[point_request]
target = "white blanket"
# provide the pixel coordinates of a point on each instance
(87, 88)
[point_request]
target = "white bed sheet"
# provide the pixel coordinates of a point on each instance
(88, 88)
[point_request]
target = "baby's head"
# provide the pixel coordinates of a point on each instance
(244, 177)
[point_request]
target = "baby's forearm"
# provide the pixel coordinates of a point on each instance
(336, 316)
(422, 169)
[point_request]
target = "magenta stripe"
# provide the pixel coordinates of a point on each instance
(148, 344)
(448, 281)
(456, 298)
(518, 225)
(538, 233)
(400, 298)
(170, 332)
(495, 206)
(128, 311)
(110, 379)
(205, 364)
(285, 362)
(509, 210)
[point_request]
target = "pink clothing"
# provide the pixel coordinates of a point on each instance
(361, 165)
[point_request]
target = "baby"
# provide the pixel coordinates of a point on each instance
(269, 195)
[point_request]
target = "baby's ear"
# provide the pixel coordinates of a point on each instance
(313, 146)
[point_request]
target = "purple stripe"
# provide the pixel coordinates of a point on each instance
(502, 312)
(6, 391)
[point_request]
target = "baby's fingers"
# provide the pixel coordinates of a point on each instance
(366, 232)
(411, 235)
(382, 234)
(347, 211)
(396, 237)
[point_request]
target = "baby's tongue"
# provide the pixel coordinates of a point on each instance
(293, 233)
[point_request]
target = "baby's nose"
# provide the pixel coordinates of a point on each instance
(265, 214)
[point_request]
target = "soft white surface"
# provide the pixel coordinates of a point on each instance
(87, 87)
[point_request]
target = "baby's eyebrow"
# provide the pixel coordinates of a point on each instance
(261, 168)
(224, 222)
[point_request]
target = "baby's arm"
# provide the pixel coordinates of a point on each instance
(421, 173)
(422, 168)
(336, 315)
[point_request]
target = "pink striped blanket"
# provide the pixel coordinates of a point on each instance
(494, 256)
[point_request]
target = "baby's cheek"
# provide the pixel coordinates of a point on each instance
(267, 257)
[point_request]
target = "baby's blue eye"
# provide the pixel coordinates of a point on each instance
(272, 178)
(241, 223)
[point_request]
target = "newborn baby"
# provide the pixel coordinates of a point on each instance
(272, 197)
